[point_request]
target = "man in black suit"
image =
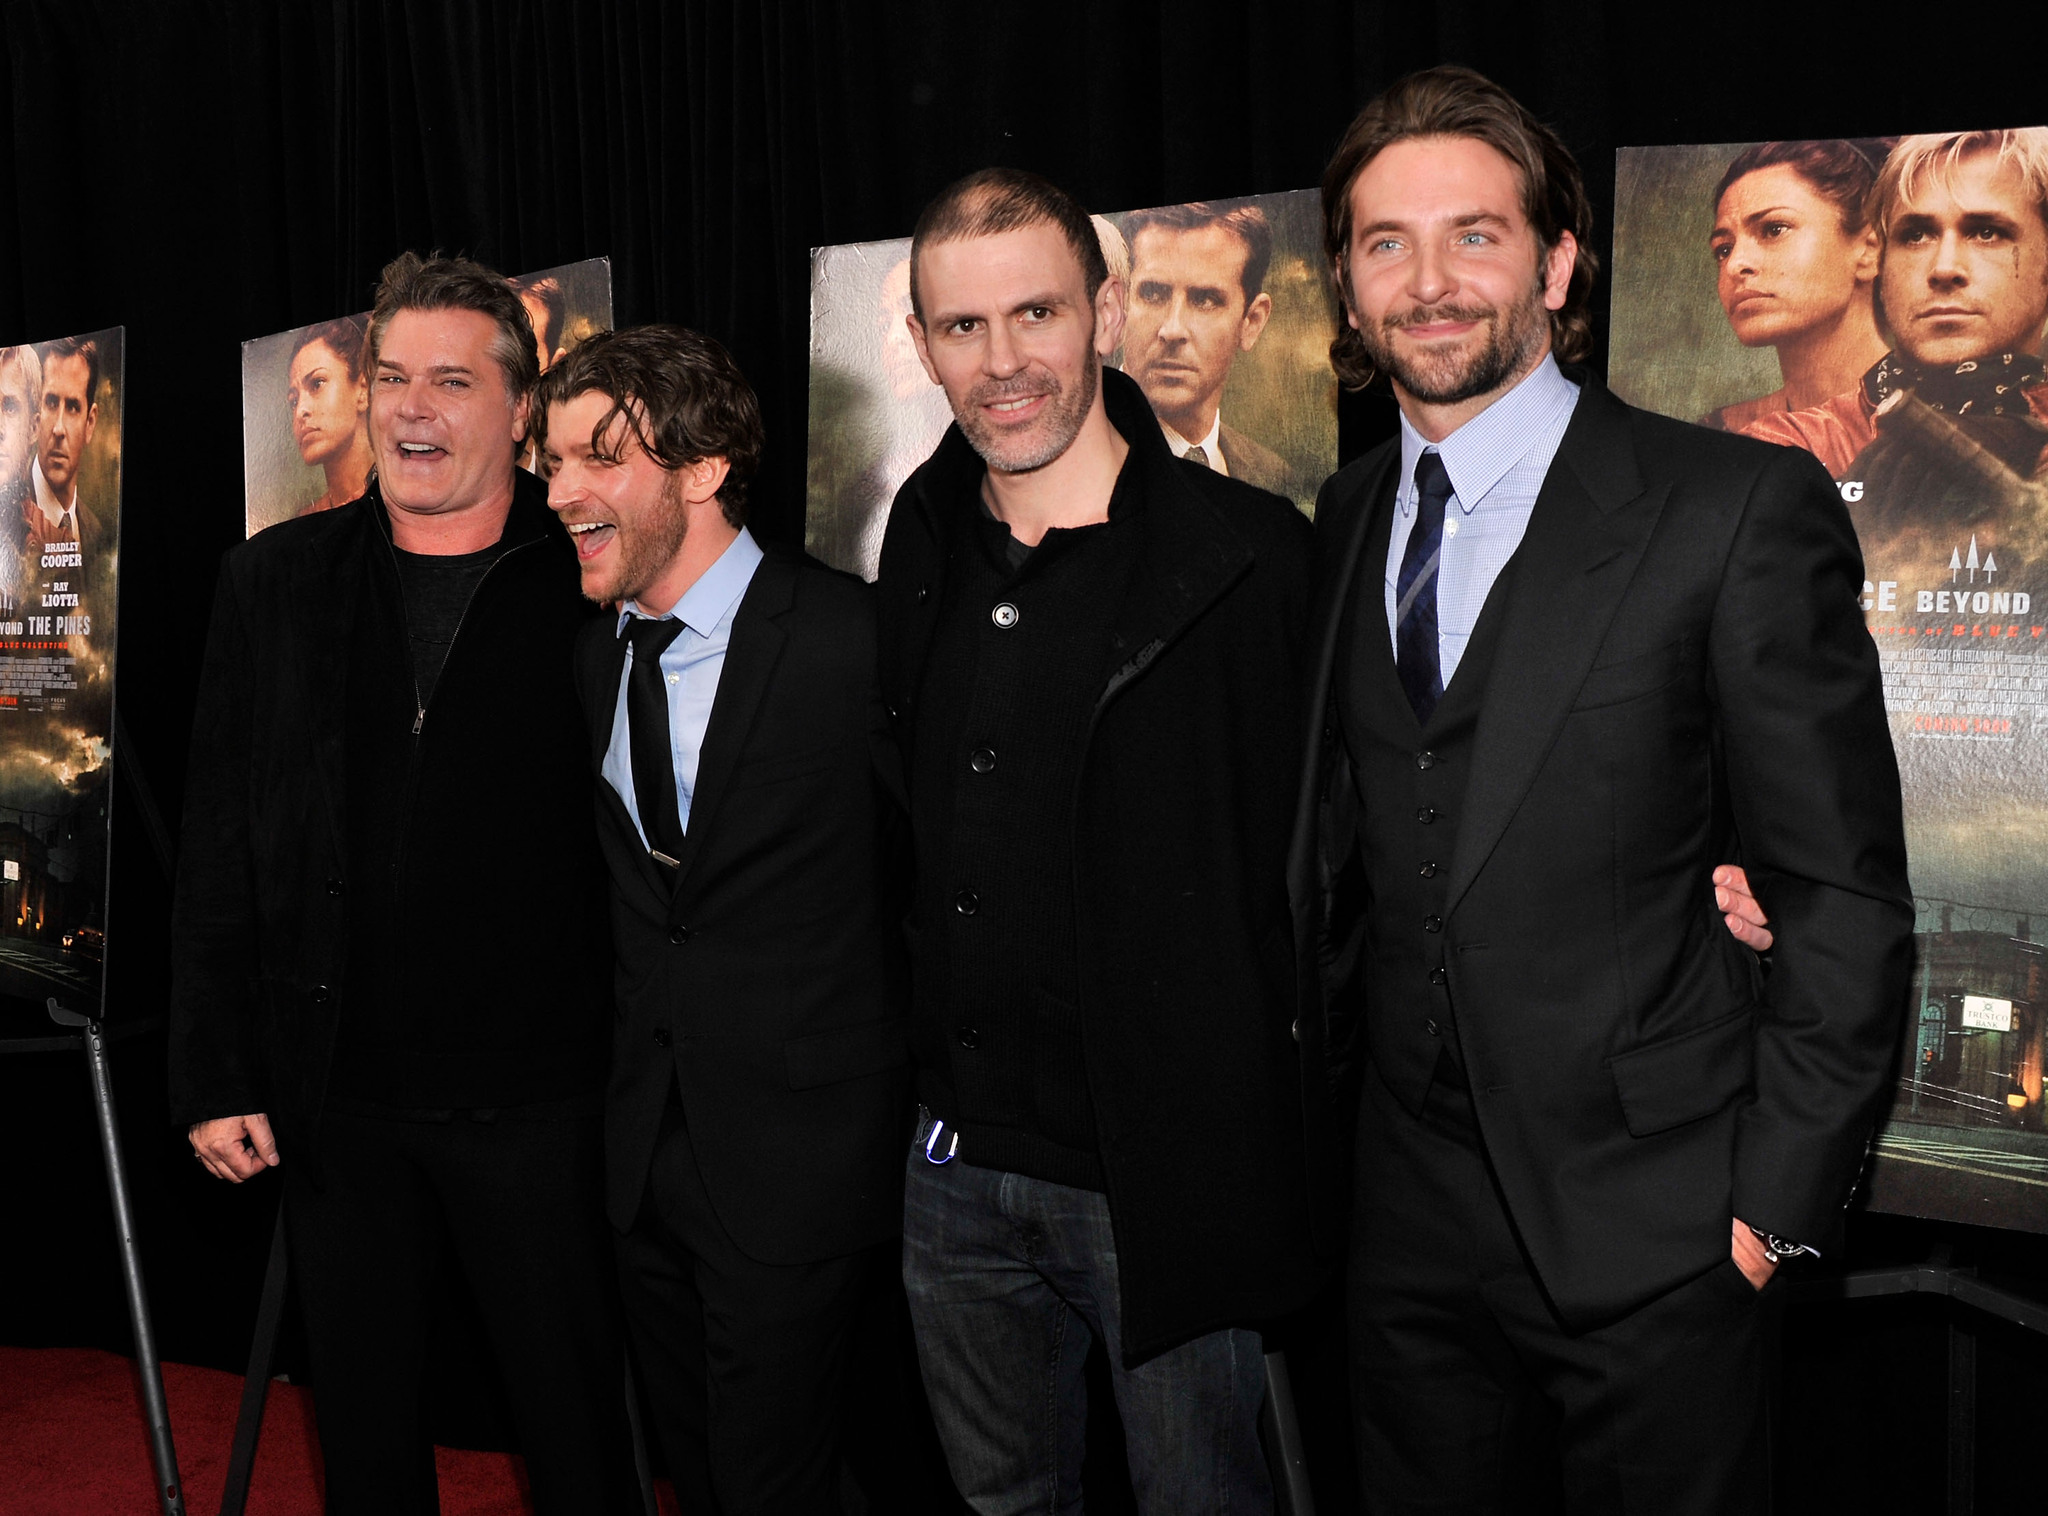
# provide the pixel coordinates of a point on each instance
(750, 812)
(1567, 650)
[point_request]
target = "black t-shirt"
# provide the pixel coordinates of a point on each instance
(437, 590)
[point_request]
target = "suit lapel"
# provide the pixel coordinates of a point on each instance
(1586, 536)
(750, 659)
(600, 659)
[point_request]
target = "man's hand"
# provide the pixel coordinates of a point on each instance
(1756, 1261)
(235, 1148)
(1745, 918)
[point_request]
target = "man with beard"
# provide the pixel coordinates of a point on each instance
(59, 522)
(1087, 646)
(1948, 433)
(390, 976)
(750, 811)
(21, 382)
(1197, 300)
(1568, 650)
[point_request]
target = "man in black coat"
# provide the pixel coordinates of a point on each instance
(1088, 647)
(1565, 650)
(750, 809)
(390, 971)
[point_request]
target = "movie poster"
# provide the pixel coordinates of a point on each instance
(306, 397)
(1880, 302)
(60, 540)
(1228, 322)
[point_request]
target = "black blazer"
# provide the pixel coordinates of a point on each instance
(1682, 671)
(769, 983)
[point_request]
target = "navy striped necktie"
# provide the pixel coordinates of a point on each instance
(1415, 649)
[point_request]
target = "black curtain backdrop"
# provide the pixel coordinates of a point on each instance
(205, 171)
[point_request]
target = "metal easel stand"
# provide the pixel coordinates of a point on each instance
(169, 1488)
(1280, 1430)
(1959, 1283)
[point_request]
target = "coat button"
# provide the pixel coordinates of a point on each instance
(924, 593)
(661, 1037)
(982, 760)
(1432, 1028)
(1428, 869)
(1425, 760)
(334, 887)
(968, 1037)
(892, 714)
(967, 902)
(679, 935)
(322, 994)
(1439, 976)
(1004, 615)
(1425, 814)
(1297, 1029)
(1432, 923)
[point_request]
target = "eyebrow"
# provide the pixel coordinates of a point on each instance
(434, 368)
(1467, 218)
(1029, 303)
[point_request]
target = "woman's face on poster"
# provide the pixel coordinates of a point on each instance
(326, 405)
(1786, 266)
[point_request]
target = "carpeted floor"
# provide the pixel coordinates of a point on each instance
(73, 1442)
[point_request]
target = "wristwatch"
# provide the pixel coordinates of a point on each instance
(1780, 1248)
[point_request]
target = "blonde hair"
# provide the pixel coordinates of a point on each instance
(24, 358)
(1935, 156)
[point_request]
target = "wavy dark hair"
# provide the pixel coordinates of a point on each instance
(680, 395)
(1460, 102)
(1842, 171)
(1240, 218)
(413, 283)
(344, 335)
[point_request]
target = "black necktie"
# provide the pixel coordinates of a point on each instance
(1415, 652)
(654, 770)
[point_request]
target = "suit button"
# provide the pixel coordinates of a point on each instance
(661, 1037)
(1439, 976)
(1432, 923)
(982, 760)
(1425, 760)
(967, 902)
(1425, 814)
(334, 887)
(1432, 1028)
(968, 1037)
(1428, 869)
(892, 714)
(1004, 615)
(679, 936)
(322, 994)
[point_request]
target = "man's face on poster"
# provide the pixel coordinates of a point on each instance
(66, 419)
(17, 421)
(1011, 336)
(1189, 318)
(1966, 265)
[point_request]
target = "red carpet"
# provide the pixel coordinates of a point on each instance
(73, 1442)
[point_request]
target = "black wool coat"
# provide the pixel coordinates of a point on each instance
(1180, 831)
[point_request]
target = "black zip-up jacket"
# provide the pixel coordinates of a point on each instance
(492, 883)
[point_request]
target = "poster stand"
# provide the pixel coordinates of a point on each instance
(1940, 1275)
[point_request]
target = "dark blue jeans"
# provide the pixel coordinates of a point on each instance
(1010, 1280)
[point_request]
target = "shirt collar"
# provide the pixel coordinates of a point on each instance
(1481, 451)
(711, 599)
(53, 508)
(1210, 443)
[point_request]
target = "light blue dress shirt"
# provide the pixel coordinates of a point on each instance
(690, 667)
(1496, 461)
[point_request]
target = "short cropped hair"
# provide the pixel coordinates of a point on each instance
(1841, 171)
(413, 283)
(344, 335)
(75, 347)
(1935, 156)
(678, 391)
(995, 200)
(1458, 102)
(1240, 218)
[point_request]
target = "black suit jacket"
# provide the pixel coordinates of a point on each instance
(768, 983)
(1682, 671)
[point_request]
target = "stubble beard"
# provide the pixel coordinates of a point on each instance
(645, 550)
(1514, 337)
(1056, 432)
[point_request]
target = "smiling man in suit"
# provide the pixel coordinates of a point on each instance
(749, 813)
(1567, 650)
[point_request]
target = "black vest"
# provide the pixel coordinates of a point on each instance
(1411, 788)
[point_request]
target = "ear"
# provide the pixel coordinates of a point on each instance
(701, 481)
(521, 409)
(1558, 264)
(924, 352)
(1109, 318)
(92, 419)
(1338, 277)
(1256, 315)
(1869, 256)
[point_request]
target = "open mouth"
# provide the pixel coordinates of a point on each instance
(591, 537)
(420, 452)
